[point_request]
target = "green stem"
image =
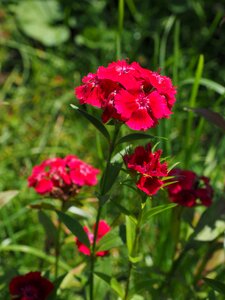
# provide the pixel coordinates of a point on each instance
(120, 28)
(58, 243)
(92, 258)
(102, 193)
(176, 222)
(192, 103)
(135, 247)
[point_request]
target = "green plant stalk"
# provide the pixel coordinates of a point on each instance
(58, 243)
(120, 28)
(192, 104)
(176, 222)
(102, 192)
(135, 247)
(176, 52)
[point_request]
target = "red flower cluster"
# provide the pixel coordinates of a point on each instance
(148, 167)
(31, 286)
(62, 178)
(190, 189)
(128, 93)
(103, 228)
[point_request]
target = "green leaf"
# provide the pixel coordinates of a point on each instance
(94, 121)
(103, 199)
(33, 251)
(209, 217)
(110, 240)
(6, 196)
(216, 285)
(137, 297)
(57, 284)
(210, 84)
(109, 177)
(130, 234)
(38, 19)
(96, 38)
(136, 259)
(155, 211)
(43, 205)
(134, 136)
(113, 283)
(75, 227)
(211, 116)
(211, 233)
(49, 227)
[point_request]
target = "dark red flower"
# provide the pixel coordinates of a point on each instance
(103, 228)
(190, 189)
(128, 93)
(148, 167)
(31, 286)
(62, 177)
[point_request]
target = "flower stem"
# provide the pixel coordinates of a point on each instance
(102, 193)
(120, 28)
(58, 243)
(92, 258)
(175, 228)
(134, 250)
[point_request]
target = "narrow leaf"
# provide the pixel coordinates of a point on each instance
(134, 136)
(216, 285)
(211, 116)
(130, 234)
(75, 227)
(6, 196)
(155, 211)
(57, 284)
(210, 84)
(109, 177)
(43, 205)
(94, 121)
(113, 283)
(110, 240)
(48, 226)
(33, 251)
(136, 259)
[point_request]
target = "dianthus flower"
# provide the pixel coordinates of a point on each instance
(103, 228)
(189, 188)
(128, 93)
(62, 177)
(146, 164)
(31, 286)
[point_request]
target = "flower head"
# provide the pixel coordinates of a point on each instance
(62, 177)
(146, 164)
(128, 93)
(103, 228)
(189, 188)
(31, 286)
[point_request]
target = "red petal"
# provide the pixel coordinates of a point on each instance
(149, 185)
(44, 186)
(125, 104)
(140, 120)
(103, 228)
(158, 105)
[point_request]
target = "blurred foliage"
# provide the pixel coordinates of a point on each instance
(45, 49)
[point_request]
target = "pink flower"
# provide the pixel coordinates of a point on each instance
(148, 167)
(31, 286)
(62, 177)
(190, 189)
(128, 93)
(103, 229)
